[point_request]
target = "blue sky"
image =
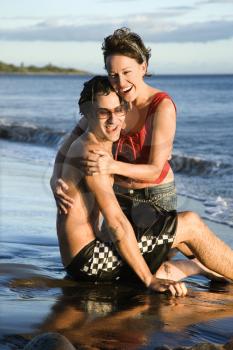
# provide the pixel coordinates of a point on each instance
(189, 36)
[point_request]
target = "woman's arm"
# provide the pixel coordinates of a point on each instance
(163, 133)
(58, 186)
(61, 154)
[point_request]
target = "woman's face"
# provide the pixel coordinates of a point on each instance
(126, 75)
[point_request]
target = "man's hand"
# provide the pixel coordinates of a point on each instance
(162, 285)
(63, 201)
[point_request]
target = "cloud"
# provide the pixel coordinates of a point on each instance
(149, 28)
(210, 2)
(197, 32)
(179, 8)
(118, 0)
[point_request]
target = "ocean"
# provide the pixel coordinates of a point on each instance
(36, 112)
(40, 110)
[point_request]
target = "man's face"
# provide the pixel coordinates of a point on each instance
(108, 118)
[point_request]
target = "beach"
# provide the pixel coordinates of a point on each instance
(35, 296)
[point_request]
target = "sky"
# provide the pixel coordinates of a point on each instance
(185, 36)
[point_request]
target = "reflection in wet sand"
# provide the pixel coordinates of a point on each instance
(128, 319)
(121, 317)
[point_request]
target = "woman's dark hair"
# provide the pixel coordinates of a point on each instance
(126, 43)
(97, 85)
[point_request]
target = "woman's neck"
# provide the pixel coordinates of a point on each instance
(145, 92)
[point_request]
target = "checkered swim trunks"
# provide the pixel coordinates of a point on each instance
(154, 229)
(106, 258)
(101, 261)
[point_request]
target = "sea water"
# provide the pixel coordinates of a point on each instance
(42, 109)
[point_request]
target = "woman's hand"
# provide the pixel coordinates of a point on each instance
(163, 285)
(63, 201)
(98, 162)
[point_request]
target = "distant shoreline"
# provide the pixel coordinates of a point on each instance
(45, 74)
(88, 74)
(49, 69)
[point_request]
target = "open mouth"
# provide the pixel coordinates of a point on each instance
(126, 90)
(111, 129)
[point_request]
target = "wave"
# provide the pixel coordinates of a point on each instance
(30, 133)
(195, 166)
(217, 209)
(187, 165)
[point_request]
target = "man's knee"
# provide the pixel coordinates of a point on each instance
(189, 226)
(190, 219)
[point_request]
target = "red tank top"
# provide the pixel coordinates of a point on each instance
(135, 147)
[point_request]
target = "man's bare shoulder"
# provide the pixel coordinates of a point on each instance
(83, 145)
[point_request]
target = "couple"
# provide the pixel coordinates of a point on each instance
(142, 236)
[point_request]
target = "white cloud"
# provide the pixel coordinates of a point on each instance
(197, 32)
(151, 29)
(215, 2)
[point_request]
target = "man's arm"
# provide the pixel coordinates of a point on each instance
(120, 228)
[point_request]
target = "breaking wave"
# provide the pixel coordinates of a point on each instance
(195, 166)
(30, 133)
(188, 165)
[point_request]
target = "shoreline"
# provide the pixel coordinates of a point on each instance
(45, 74)
(48, 69)
(90, 74)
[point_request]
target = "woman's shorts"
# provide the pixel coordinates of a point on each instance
(155, 232)
(163, 196)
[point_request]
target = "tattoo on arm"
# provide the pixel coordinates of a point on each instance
(115, 234)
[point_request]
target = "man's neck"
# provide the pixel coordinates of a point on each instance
(105, 144)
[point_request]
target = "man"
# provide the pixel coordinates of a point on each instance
(85, 255)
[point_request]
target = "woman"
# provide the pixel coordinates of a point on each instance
(146, 143)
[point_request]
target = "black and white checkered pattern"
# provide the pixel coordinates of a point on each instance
(105, 258)
(147, 243)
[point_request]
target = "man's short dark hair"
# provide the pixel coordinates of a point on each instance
(99, 85)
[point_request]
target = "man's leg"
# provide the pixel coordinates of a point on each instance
(205, 245)
(203, 270)
(177, 270)
(184, 249)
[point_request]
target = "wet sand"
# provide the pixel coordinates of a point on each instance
(35, 297)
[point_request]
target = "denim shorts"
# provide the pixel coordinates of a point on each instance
(163, 196)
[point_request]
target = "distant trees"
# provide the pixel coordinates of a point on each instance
(47, 69)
